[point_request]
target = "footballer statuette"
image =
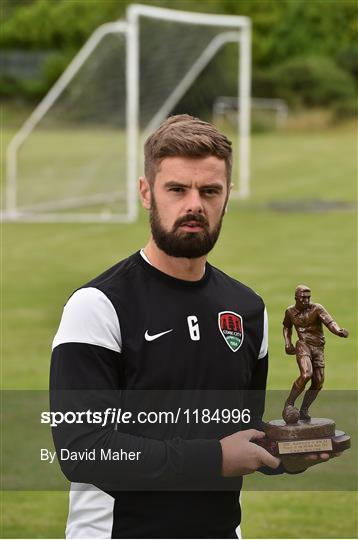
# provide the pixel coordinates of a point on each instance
(308, 319)
(298, 433)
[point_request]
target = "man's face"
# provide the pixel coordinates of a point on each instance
(303, 299)
(187, 204)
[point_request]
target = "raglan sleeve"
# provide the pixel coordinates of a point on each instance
(85, 377)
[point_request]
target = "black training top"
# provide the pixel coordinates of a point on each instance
(139, 339)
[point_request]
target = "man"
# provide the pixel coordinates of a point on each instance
(166, 320)
(307, 318)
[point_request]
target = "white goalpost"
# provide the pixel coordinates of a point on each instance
(50, 210)
(76, 157)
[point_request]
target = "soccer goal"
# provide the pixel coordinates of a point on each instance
(78, 155)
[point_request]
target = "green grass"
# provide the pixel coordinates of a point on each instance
(299, 515)
(305, 165)
(271, 251)
(35, 514)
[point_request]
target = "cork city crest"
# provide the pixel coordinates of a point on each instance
(231, 328)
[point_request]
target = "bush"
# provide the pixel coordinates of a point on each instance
(48, 24)
(348, 59)
(9, 87)
(313, 81)
(306, 82)
(345, 109)
(34, 88)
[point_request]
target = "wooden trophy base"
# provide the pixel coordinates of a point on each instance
(315, 435)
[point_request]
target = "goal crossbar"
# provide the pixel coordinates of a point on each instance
(190, 17)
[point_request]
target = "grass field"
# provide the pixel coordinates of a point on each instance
(271, 250)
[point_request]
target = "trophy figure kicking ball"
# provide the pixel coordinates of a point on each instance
(298, 433)
(307, 318)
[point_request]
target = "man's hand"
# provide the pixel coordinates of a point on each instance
(301, 463)
(240, 456)
(290, 349)
(343, 332)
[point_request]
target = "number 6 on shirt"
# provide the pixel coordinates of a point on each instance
(193, 326)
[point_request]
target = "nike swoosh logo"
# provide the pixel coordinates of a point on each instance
(156, 336)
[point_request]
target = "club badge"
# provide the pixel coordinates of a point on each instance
(231, 328)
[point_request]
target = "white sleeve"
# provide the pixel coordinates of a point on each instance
(264, 343)
(90, 513)
(89, 317)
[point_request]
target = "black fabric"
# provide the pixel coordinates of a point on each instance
(145, 299)
(179, 515)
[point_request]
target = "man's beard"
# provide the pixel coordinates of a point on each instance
(177, 243)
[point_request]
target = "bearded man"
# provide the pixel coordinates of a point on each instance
(165, 319)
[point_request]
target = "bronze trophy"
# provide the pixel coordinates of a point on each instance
(298, 433)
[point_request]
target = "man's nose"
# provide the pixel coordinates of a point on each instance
(193, 202)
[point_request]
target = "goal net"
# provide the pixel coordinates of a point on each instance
(78, 156)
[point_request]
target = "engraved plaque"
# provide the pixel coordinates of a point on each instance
(299, 447)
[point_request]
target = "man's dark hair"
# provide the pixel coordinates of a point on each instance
(186, 136)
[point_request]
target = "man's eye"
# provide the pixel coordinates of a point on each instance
(210, 191)
(176, 189)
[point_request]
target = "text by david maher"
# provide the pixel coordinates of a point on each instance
(89, 455)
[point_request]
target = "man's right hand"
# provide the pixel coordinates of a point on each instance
(241, 456)
(290, 349)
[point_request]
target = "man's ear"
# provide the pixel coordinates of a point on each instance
(145, 193)
(228, 195)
